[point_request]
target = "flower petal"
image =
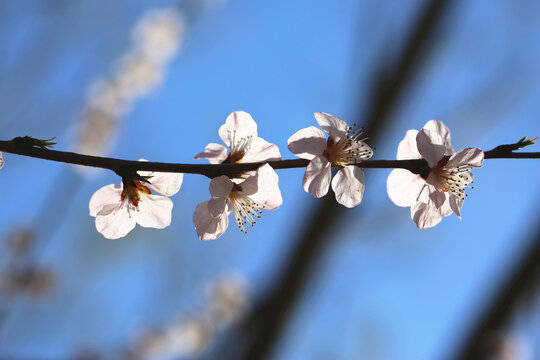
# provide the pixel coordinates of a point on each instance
(470, 156)
(407, 148)
(307, 143)
(317, 176)
(455, 204)
(263, 188)
(215, 153)
(268, 180)
(114, 221)
(261, 150)
(166, 184)
(348, 185)
(425, 216)
(207, 226)
(431, 195)
(446, 208)
(1, 161)
(239, 126)
(404, 187)
(360, 151)
(334, 126)
(443, 131)
(154, 211)
(220, 188)
(109, 194)
(431, 146)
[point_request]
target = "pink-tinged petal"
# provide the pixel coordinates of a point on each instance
(153, 211)
(239, 126)
(217, 206)
(467, 176)
(268, 180)
(404, 187)
(263, 188)
(430, 146)
(431, 195)
(317, 176)
(250, 185)
(114, 221)
(438, 127)
(407, 148)
(470, 156)
(446, 208)
(261, 150)
(166, 184)
(109, 194)
(1, 161)
(207, 226)
(215, 153)
(363, 151)
(334, 126)
(348, 185)
(438, 198)
(435, 194)
(455, 204)
(220, 188)
(425, 216)
(307, 143)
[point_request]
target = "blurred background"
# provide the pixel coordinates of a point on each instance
(312, 280)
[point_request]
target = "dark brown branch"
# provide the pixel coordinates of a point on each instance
(16, 146)
(512, 155)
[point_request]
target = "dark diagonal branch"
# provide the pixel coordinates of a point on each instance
(523, 280)
(262, 328)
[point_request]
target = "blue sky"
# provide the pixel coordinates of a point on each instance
(385, 289)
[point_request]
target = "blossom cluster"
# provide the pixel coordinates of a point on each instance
(432, 193)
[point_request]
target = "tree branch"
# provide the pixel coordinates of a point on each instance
(27, 147)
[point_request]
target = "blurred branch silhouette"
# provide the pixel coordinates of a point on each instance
(521, 284)
(260, 332)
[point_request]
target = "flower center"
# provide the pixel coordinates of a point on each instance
(239, 146)
(349, 150)
(132, 190)
(453, 180)
(246, 211)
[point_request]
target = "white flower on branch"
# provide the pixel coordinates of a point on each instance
(118, 208)
(441, 190)
(342, 148)
(246, 199)
(239, 133)
(1, 161)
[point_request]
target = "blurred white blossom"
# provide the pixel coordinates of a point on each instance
(511, 346)
(226, 301)
(156, 39)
